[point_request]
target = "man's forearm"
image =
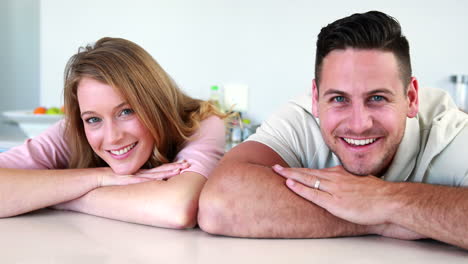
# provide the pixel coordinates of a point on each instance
(439, 212)
(249, 200)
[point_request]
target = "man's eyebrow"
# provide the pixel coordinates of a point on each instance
(381, 91)
(376, 91)
(334, 92)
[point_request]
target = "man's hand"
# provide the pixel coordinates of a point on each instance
(395, 231)
(359, 199)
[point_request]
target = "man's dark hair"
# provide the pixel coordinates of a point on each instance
(371, 30)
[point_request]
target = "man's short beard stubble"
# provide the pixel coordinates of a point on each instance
(380, 168)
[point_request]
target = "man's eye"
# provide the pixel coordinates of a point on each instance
(339, 99)
(127, 111)
(92, 120)
(377, 98)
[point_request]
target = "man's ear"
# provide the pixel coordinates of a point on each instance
(413, 97)
(315, 97)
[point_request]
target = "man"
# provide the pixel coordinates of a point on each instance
(372, 154)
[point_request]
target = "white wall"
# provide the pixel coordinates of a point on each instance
(265, 44)
(19, 54)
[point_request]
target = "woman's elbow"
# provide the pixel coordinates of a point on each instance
(183, 215)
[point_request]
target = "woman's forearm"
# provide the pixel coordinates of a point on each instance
(23, 191)
(170, 204)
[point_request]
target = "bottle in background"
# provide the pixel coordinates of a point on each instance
(247, 129)
(215, 97)
(461, 87)
(236, 129)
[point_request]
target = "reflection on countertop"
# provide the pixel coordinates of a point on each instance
(50, 236)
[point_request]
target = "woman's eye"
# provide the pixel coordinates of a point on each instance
(92, 120)
(127, 111)
(339, 99)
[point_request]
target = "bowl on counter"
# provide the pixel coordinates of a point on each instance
(32, 124)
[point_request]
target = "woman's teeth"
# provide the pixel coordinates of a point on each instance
(123, 151)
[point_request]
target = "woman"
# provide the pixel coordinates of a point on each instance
(127, 127)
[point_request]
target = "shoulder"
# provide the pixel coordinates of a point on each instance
(293, 118)
(434, 104)
(444, 135)
(211, 122)
(293, 132)
(449, 167)
(205, 147)
(211, 127)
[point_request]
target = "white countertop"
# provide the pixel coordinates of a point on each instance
(49, 236)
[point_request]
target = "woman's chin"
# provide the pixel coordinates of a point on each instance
(124, 171)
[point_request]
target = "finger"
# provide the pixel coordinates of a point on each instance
(322, 173)
(160, 175)
(153, 174)
(318, 197)
(303, 176)
(126, 180)
(166, 167)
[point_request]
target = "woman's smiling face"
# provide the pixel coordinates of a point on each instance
(113, 130)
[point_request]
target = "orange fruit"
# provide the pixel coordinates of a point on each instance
(62, 109)
(40, 110)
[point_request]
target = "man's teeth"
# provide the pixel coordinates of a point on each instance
(359, 142)
(123, 151)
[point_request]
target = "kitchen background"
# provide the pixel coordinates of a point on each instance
(265, 45)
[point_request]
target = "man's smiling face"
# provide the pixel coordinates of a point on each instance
(362, 105)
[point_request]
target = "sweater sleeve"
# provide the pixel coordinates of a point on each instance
(46, 151)
(205, 148)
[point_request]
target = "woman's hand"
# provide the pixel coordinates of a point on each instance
(164, 171)
(106, 177)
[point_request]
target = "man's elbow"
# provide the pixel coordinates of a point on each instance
(214, 214)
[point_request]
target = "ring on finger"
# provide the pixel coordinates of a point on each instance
(317, 184)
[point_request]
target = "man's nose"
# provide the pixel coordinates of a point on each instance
(360, 119)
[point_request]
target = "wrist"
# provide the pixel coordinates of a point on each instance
(100, 174)
(395, 201)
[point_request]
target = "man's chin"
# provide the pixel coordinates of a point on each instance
(359, 170)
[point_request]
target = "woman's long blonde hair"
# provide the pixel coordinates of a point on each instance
(170, 115)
